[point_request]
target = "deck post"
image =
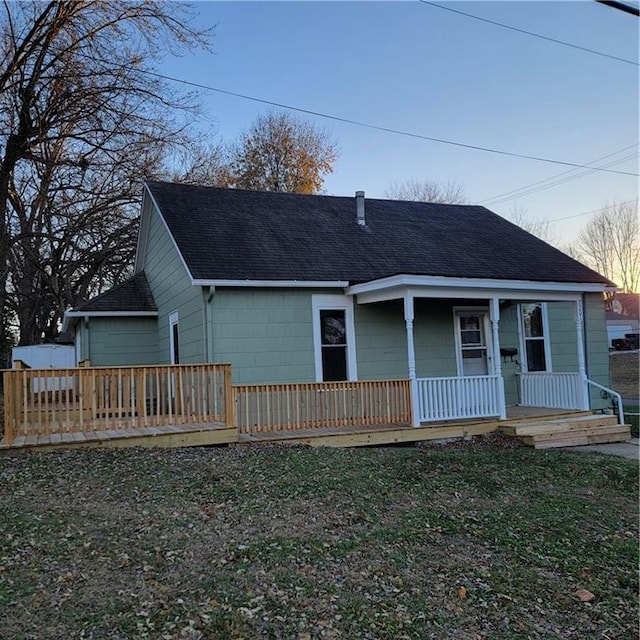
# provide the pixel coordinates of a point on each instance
(9, 407)
(582, 366)
(230, 418)
(411, 358)
(494, 315)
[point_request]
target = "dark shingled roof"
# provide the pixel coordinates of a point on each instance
(239, 235)
(132, 295)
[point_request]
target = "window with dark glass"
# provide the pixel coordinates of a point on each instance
(333, 336)
(534, 338)
(176, 343)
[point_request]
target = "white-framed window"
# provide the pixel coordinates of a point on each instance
(334, 338)
(534, 336)
(174, 338)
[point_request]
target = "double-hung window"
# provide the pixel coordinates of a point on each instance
(535, 341)
(334, 338)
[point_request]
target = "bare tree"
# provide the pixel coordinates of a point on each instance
(81, 123)
(538, 227)
(610, 243)
(201, 164)
(428, 191)
(282, 153)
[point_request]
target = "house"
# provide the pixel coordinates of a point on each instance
(477, 313)
(622, 315)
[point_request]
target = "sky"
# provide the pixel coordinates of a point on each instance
(410, 66)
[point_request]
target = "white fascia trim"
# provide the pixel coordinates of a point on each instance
(472, 283)
(110, 314)
(71, 317)
(143, 232)
(166, 226)
(296, 284)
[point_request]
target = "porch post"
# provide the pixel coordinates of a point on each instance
(582, 367)
(494, 315)
(411, 358)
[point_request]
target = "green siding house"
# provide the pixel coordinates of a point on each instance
(477, 313)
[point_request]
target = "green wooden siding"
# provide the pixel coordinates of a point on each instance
(121, 342)
(509, 339)
(563, 336)
(172, 290)
(381, 341)
(266, 334)
(597, 346)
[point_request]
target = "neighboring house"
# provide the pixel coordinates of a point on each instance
(295, 288)
(622, 314)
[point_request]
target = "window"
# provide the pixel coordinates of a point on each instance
(174, 338)
(533, 327)
(334, 338)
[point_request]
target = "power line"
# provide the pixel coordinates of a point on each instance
(530, 33)
(553, 180)
(562, 181)
(586, 213)
(375, 127)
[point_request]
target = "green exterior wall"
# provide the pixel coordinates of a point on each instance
(597, 351)
(381, 341)
(120, 341)
(172, 290)
(266, 334)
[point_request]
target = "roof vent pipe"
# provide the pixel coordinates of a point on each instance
(360, 207)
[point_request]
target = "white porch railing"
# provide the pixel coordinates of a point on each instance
(456, 398)
(559, 390)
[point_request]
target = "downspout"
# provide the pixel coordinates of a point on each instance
(207, 296)
(86, 340)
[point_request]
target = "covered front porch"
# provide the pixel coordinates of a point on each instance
(474, 347)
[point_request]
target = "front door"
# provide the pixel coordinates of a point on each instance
(472, 331)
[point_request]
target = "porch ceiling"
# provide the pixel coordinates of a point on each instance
(403, 286)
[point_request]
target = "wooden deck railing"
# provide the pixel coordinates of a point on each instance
(276, 407)
(46, 401)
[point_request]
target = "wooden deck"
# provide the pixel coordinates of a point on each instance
(217, 433)
(184, 435)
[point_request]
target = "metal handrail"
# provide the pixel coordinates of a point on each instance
(613, 394)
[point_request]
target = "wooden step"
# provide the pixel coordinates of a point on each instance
(561, 425)
(575, 438)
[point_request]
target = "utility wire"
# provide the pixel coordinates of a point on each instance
(375, 127)
(530, 188)
(586, 213)
(531, 33)
(564, 180)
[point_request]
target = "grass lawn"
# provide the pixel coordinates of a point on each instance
(623, 368)
(467, 541)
